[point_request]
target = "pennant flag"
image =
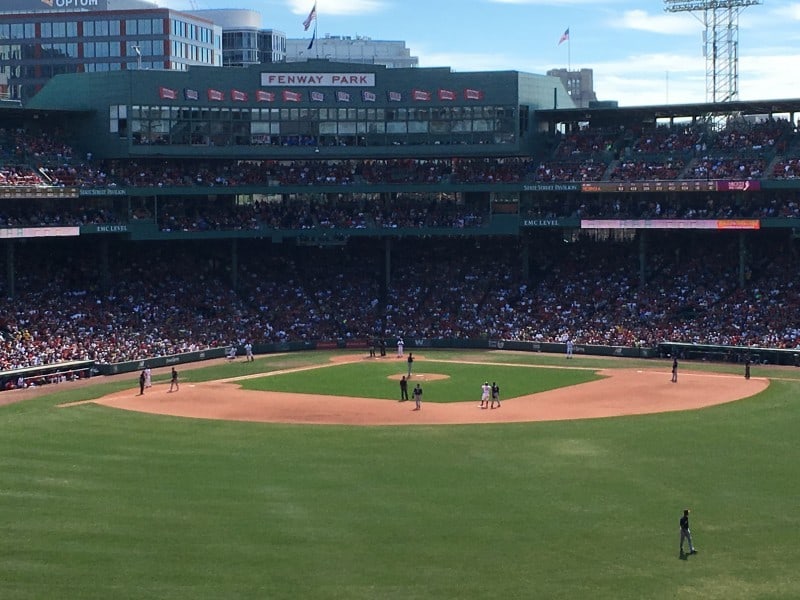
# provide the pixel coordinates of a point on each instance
(447, 95)
(368, 96)
(190, 94)
(238, 96)
(343, 96)
(420, 95)
(166, 93)
(313, 37)
(394, 96)
(262, 96)
(289, 96)
(216, 95)
(564, 37)
(312, 16)
(317, 97)
(471, 94)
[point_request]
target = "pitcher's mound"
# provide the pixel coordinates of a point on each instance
(420, 377)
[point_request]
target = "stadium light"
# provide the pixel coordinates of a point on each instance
(720, 20)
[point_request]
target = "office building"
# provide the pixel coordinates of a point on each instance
(43, 38)
(358, 50)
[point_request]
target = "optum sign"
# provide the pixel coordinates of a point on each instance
(70, 4)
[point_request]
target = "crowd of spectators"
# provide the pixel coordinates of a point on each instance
(166, 301)
(645, 206)
(163, 301)
(647, 170)
(727, 168)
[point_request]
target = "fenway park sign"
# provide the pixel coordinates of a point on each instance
(318, 79)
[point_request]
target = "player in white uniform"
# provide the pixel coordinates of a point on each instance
(400, 348)
(486, 390)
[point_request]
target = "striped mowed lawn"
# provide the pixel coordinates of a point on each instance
(100, 503)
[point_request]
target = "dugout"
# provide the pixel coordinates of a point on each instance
(47, 374)
(731, 354)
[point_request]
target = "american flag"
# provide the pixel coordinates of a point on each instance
(312, 16)
(564, 37)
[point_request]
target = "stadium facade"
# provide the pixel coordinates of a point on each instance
(293, 109)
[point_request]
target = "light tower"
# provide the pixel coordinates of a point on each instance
(720, 42)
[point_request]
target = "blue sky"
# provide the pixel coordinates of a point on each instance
(640, 54)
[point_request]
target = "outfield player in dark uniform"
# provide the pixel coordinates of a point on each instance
(675, 369)
(686, 533)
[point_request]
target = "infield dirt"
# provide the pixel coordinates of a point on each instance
(620, 392)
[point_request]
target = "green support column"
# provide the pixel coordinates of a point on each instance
(10, 268)
(387, 263)
(742, 260)
(642, 259)
(105, 271)
(526, 260)
(235, 264)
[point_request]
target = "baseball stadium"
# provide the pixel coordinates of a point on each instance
(626, 277)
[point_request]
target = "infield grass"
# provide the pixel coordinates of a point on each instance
(461, 382)
(99, 503)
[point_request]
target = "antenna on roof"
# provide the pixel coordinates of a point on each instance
(138, 51)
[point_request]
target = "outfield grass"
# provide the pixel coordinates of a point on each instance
(99, 503)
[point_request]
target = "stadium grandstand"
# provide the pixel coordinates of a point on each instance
(154, 216)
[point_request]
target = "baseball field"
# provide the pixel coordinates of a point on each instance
(302, 476)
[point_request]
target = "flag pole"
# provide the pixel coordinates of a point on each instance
(569, 54)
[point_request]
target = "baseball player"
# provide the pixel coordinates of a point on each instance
(418, 397)
(495, 394)
(486, 390)
(686, 533)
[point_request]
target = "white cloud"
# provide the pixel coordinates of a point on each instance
(764, 77)
(670, 24)
(790, 11)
